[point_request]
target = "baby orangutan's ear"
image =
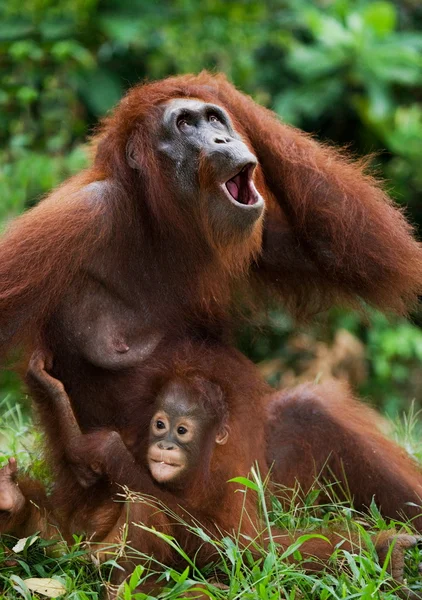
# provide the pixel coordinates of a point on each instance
(222, 436)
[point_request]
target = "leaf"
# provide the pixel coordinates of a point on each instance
(170, 540)
(231, 550)
(246, 482)
(298, 543)
(66, 49)
(311, 62)
(18, 584)
(381, 17)
(269, 563)
(125, 30)
(379, 104)
(136, 577)
(329, 31)
(45, 586)
(308, 101)
(182, 577)
(101, 90)
(375, 513)
(24, 543)
(393, 62)
(353, 566)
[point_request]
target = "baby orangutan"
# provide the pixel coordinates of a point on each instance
(182, 434)
(188, 419)
(171, 463)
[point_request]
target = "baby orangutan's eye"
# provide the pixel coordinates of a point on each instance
(160, 425)
(182, 430)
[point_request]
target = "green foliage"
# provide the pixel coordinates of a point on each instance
(71, 567)
(394, 356)
(242, 568)
(353, 55)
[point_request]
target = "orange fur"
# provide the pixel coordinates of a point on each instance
(300, 434)
(329, 235)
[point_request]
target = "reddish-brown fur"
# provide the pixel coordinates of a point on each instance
(208, 499)
(329, 235)
(287, 429)
(339, 439)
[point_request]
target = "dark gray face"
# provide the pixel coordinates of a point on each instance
(212, 168)
(180, 432)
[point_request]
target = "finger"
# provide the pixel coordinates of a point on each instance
(37, 360)
(13, 465)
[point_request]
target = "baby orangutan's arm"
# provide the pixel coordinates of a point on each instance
(91, 456)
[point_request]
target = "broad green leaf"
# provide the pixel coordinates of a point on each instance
(310, 62)
(329, 31)
(246, 482)
(381, 17)
(136, 576)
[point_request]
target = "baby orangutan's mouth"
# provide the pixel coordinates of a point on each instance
(165, 462)
(241, 188)
(163, 466)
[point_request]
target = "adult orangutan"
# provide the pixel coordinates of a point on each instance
(198, 197)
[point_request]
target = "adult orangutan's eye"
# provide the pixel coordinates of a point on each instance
(182, 430)
(213, 119)
(160, 425)
(182, 123)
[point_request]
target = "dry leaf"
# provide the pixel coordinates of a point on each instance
(20, 544)
(45, 586)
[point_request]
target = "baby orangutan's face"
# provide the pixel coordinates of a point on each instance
(180, 434)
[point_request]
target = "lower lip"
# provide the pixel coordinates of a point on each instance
(162, 462)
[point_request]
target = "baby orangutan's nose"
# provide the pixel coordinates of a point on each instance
(165, 445)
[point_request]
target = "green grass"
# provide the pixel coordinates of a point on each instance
(265, 575)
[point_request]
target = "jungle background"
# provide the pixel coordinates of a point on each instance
(350, 71)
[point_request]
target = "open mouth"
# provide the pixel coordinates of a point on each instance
(241, 188)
